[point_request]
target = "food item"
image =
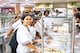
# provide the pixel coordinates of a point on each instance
(56, 50)
(39, 52)
(55, 30)
(48, 49)
(49, 38)
(48, 42)
(60, 29)
(63, 51)
(62, 39)
(52, 50)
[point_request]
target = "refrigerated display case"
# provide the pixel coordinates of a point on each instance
(59, 35)
(77, 38)
(6, 20)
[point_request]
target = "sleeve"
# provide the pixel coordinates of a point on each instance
(33, 31)
(23, 36)
(38, 27)
(16, 24)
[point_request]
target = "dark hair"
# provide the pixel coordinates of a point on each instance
(34, 21)
(32, 15)
(57, 10)
(37, 12)
(78, 8)
(77, 15)
(16, 17)
(46, 11)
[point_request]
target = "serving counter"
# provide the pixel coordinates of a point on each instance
(59, 35)
(2, 45)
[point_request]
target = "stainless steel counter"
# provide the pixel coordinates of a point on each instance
(2, 48)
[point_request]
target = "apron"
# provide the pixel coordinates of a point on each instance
(13, 43)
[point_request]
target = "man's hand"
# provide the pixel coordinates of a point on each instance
(38, 50)
(6, 37)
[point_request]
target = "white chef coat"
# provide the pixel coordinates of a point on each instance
(24, 36)
(32, 31)
(46, 16)
(38, 26)
(16, 24)
(61, 14)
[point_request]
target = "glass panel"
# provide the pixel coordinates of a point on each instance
(57, 36)
(6, 20)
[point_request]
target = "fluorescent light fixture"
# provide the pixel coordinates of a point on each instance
(11, 0)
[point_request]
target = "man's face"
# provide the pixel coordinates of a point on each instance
(39, 16)
(77, 11)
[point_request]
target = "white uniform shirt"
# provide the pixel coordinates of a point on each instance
(32, 31)
(24, 37)
(38, 26)
(16, 24)
(46, 16)
(61, 14)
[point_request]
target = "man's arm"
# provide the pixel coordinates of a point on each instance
(10, 31)
(38, 34)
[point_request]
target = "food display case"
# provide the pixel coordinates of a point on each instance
(6, 20)
(57, 35)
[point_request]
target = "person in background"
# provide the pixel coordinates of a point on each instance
(38, 24)
(77, 20)
(16, 18)
(58, 13)
(34, 22)
(24, 37)
(77, 17)
(74, 11)
(37, 40)
(46, 13)
(78, 9)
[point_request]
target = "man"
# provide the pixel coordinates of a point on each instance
(78, 10)
(77, 17)
(77, 14)
(38, 24)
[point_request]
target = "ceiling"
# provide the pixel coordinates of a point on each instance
(55, 1)
(8, 3)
